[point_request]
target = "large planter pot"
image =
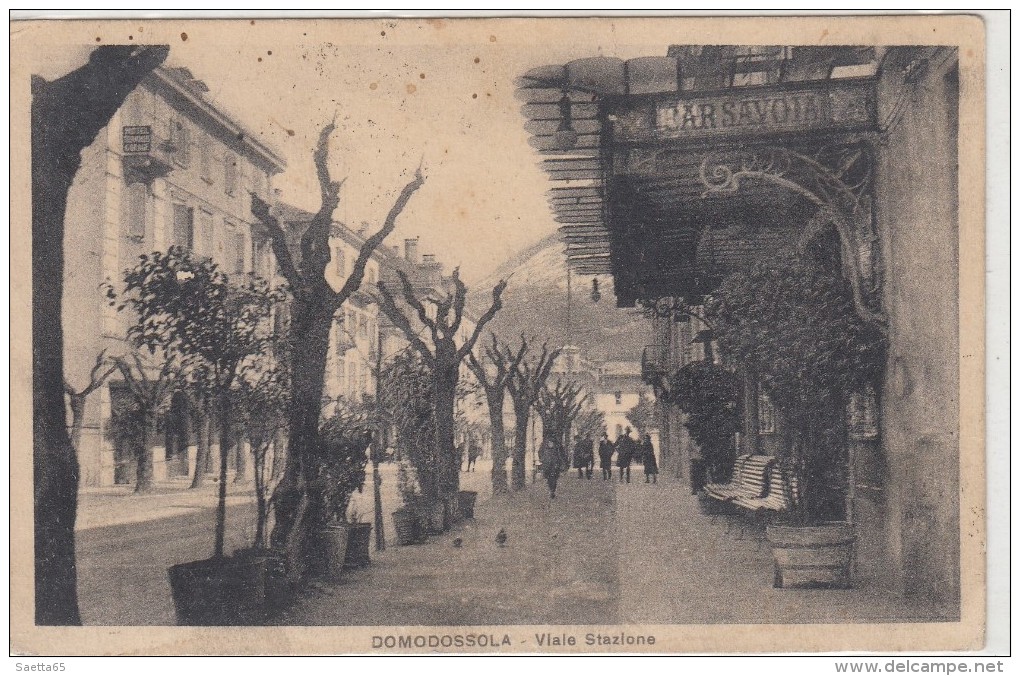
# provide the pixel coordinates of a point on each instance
(812, 556)
(274, 566)
(332, 551)
(452, 511)
(466, 503)
(358, 540)
(218, 592)
(435, 518)
(408, 526)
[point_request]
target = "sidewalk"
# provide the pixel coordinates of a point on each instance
(558, 567)
(684, 568)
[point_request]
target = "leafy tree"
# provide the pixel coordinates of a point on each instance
(186, 305)
(443, 358)
(405, 392)
(795, 325)
(314, 302)
(340, 460)
(493, 374)
(524, 384)
(709, 395)
(67, 114)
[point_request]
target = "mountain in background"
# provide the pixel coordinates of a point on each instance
(535, 302)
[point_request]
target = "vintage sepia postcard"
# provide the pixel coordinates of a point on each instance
(519, 335)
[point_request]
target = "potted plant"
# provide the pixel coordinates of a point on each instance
(466, 503)
(359, 537)
(709, 394)
(339, 469)
(186, 307)
(408, 519)
(794, 325)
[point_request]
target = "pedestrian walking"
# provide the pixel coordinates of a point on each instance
(625, 448)
(589, 450)
(606, 457)
(582, 456)
(473, 450)
(552, 465)
(648, 458)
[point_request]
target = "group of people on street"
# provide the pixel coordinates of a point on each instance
(626, 449)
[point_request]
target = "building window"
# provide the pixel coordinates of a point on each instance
(352, 380)
(341, 370)
(362, 327)
(766, 415)
(180, 144)
(618, 397)
(230, 174)
(370, 275)
(619, 430)
(862, 414)
(204, 236)
(205, 162)
(184, 226)
(260, 261)
(238, 249)
(339, 260)
(137, 197)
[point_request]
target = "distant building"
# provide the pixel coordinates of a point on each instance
(618, 390)
(169, 169)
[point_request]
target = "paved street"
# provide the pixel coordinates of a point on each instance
(601, 553)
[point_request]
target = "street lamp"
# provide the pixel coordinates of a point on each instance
(565, 137)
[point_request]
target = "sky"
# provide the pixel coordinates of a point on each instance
(434, 92)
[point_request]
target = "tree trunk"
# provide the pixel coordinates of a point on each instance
(202, 454)
(240, 461)
(143, 469)
(449, 460)
(499, 452)
(67, 114)
(518, 470)
(226, 433)
(309, 350)
(77, 419)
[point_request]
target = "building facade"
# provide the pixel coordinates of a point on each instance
(170, 169)
(674, 171)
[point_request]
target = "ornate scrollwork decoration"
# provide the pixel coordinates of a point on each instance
(837, 180)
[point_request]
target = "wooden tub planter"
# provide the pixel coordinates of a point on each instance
(219, 591)
(332, 550)
(409, 527)
(812, 556)
(435, 518)
(466, 503)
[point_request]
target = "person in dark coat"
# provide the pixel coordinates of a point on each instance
(552, 465)
(582, 456)
(648, 458)
(589, 453)
(473, 451)
(606, 457)
(625, 448)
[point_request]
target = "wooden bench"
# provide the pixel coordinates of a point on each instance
(776, 498)
(750, 480)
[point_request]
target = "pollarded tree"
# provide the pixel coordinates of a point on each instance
(559, 406)
(313, 304)
(524, 384)
(76, 398)
(493, 374)
(443, 357)
(67, 114)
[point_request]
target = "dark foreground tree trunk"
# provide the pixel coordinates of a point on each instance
(499, 453)
(77, 419)
(203, 426)
(67, 114)
(449, 460)
(226, 437)
(518, 469)
(308, 366)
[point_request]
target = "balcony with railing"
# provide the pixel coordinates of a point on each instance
(145, 155)
(653, 363)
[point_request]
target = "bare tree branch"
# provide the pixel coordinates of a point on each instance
(96, 379)
(389, 307)
(278, 240)
(373, 242)
(497, 303)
